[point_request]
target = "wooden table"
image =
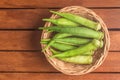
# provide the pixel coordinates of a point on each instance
(20, 51)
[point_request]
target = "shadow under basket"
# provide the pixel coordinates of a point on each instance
(99, 55)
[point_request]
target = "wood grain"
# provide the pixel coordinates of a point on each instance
(32, 18)
(57, 3)
(22, 19)
(109, 16)
(36, 62)
(24, 61)
(58, 76)
(20, 40)
(29, 40)
(20, 52)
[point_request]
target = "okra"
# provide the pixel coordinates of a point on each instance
(62, 47)
(70, 40)
(45, 40)
(54, 51)
(59, 35)
(88, 53)
(93, 45)
(79, 19)
(73, 41)
(62, 22)
(78, 59)
(77, 31)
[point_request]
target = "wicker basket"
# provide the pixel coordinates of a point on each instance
(98, 57)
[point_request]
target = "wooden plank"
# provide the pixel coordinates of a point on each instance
(58, 76)
(57, 3)
(32, 18)
(109, 16)
(22, 19)
(36, 62)
(29, 40)
(111, 64)
(24, 61)
(20, 40)
(114, 40)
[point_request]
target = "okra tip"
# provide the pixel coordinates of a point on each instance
(43, 42)
(41, 28)
(44, 28)
(50, 57)
(49, 20)
(45, 19)
(53, 56)
(54, 12)
(56, 56)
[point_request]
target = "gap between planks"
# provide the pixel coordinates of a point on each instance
(58, 8)
(4, 72)
(110, 29)
(34, 51)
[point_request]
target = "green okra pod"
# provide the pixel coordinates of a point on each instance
(59, 35)
(79, 19)
(78, 59)
(54, 51)
(77, 31)
(62, 22)
(62, 35)
(73, 40)
(62, 47)
(45, 40)
(70, 40)
(93, 45)
(88, 53)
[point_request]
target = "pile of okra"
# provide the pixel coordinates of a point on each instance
(76, 38)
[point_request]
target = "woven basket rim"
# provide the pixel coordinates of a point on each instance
(103, 54)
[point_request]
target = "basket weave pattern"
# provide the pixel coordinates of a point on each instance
(99, 55)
